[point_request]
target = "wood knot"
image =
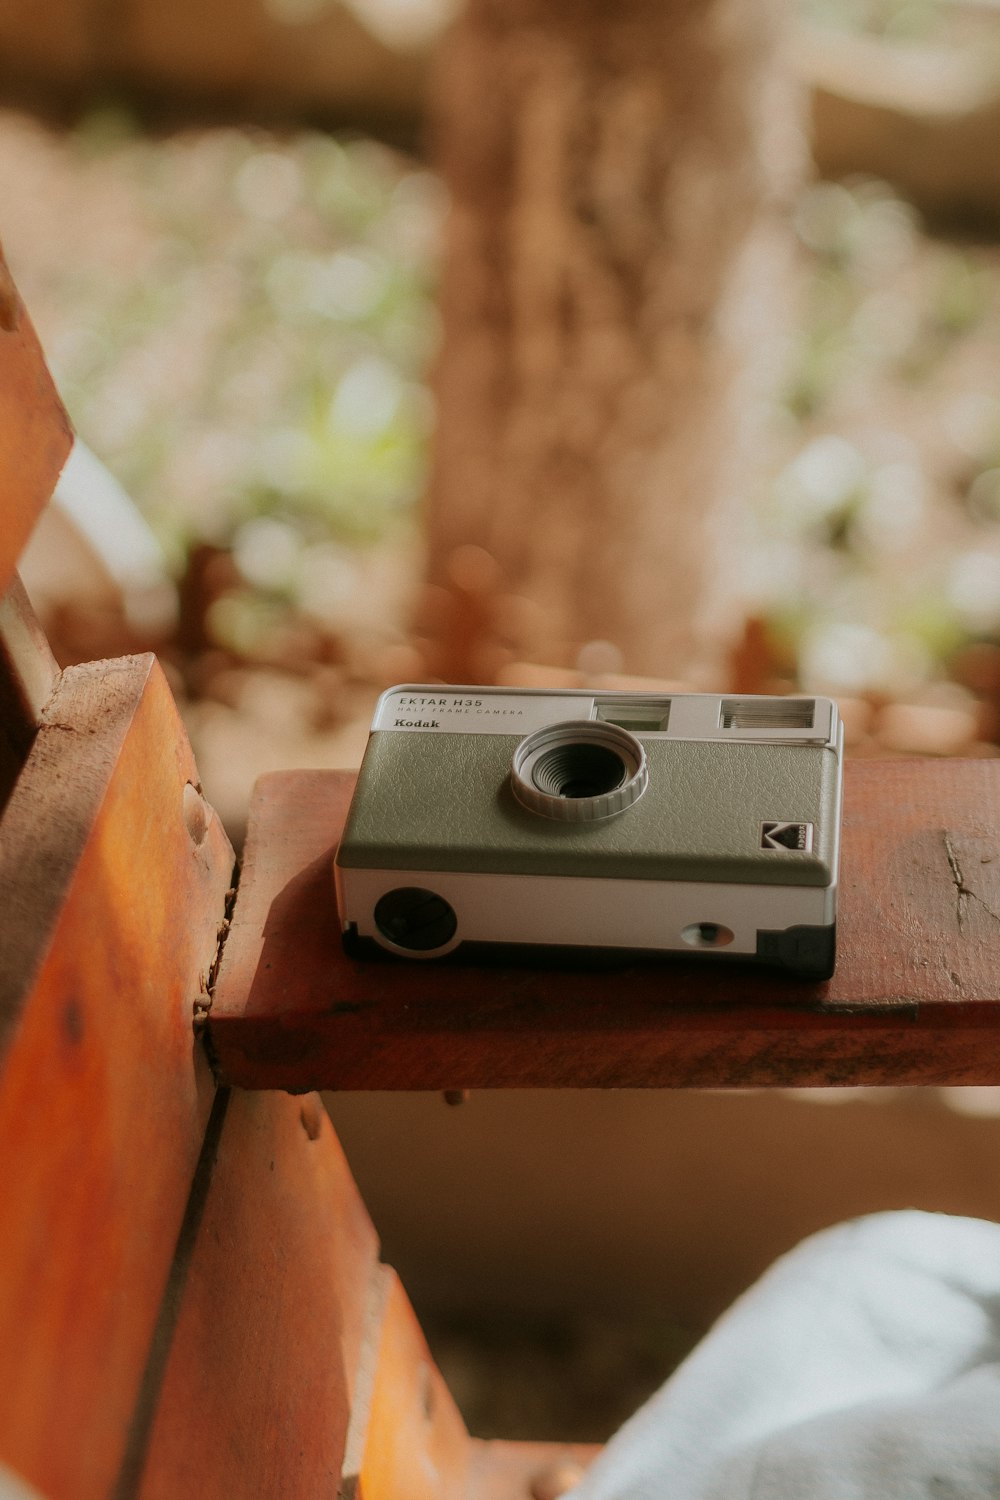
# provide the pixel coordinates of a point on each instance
(197, 814)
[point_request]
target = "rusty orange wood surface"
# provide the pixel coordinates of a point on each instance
(915, 998)
(35, 436)
(407, 1440)
(113, 877)
(264, 1360)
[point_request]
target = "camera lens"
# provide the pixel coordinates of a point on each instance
(412, 918)
(579, 771)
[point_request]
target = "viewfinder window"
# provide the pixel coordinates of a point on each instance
(768, 713)
(639, 715)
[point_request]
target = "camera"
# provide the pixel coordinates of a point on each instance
(495, 821)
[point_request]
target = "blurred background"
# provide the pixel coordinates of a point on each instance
(529, 343)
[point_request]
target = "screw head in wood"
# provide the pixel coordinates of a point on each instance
(196, 814)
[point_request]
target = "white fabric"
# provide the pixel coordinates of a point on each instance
(865, 1365)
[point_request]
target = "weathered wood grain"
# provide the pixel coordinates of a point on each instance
(35, 436)
(113, 875)
(915, 998)
(264, 1360)
(406, 1438)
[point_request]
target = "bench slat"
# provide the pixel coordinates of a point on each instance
(113, 892)
(915, 998)
(264, 1360)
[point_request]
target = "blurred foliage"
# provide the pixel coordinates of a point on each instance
(263, 352)
(878, 540)
(897, 19)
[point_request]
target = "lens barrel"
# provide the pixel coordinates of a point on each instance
(579, 771)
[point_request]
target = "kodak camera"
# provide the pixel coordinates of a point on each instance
(685, 823)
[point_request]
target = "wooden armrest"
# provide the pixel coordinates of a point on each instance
(915, 998)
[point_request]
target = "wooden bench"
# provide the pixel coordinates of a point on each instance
(191, 1300)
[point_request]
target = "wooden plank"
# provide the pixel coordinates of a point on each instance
(527, 1471)
(35, 435)
(915, 998)
(114, 875)
(263, 1364)
(407, 1440)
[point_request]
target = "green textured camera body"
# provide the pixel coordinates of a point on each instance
(687, 823)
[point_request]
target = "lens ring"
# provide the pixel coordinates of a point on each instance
(579, 771)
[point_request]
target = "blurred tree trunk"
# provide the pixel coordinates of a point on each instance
(615, 269)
